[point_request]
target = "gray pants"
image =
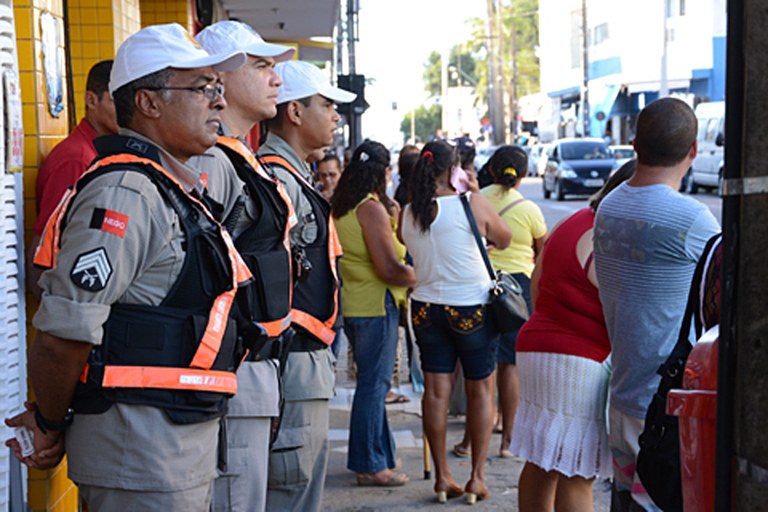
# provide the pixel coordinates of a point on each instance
(299, 458)
(243, 488)
(103, 499)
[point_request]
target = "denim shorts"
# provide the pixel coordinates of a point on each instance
(508, 341)
(447, 333)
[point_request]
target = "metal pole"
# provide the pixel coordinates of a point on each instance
(513, 99)
(664, 84)
(727, 376)
(585, 63)
(354, 118)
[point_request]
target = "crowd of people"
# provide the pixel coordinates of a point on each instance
(192, 285)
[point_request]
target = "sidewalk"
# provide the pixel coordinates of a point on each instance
(343, 495)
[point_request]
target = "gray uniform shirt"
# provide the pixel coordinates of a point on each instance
(129, 446)
(308, 375)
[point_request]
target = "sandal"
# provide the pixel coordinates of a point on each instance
(396, 398)
(460, 450)
(392, 480)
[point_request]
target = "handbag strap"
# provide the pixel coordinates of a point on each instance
(674, 363)
(478, 238)
(510, 206)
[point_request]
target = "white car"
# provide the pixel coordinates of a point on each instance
(623, 154)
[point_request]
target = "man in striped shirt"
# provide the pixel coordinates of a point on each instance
(648, 238)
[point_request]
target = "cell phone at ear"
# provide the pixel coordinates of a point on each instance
(458, 180)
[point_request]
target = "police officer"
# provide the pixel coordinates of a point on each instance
(134, 327)
(259, 215)
(306, 120)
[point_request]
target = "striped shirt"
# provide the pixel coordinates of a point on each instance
(647, 241)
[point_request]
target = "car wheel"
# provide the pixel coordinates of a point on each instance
(689, 184)
(544, 190)
(559, 194)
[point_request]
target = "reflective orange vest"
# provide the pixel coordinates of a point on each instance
(265, 245)
(181, 355)
(322, 283)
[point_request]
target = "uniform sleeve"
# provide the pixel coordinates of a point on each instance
(55, 178)
(224, 186)
(113, 233)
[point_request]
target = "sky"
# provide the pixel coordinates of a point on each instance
(395, 40)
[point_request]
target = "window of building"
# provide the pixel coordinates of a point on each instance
(601, 33)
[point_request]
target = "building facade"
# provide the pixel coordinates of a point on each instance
(635, 52)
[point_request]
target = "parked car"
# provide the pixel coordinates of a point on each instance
(482, 155)
(623, 154)
(707, 168)
(537, 150)
(576, 166)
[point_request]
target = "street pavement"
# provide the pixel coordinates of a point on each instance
(342, 494)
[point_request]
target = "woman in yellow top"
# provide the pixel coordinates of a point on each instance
(508, 166)
(374, 279)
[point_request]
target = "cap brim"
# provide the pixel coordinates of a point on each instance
(224, 62)
(338, 95)
(279, 52)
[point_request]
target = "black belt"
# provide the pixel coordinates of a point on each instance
(270, 350)
(305, 343)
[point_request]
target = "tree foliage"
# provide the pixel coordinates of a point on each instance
(461, 69)
(428, 120)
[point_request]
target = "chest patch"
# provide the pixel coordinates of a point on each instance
(109, 221)
(91, 270)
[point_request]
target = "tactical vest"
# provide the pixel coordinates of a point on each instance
(180, 355)
(315, 297)
(265, 243)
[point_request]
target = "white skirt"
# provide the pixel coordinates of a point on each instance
(560, 421)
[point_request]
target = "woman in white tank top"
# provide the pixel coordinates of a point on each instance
(448, 310)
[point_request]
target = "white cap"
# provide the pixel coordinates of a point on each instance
(157, 47)
(234, 36)
(302, 80)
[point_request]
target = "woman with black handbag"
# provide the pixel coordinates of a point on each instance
(448, 311)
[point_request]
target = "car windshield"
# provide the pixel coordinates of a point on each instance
(584, 151)
(623, 153)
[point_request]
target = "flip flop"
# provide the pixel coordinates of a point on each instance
(393, 480)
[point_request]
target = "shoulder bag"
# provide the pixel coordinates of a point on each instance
(507, 303)
(658, 461)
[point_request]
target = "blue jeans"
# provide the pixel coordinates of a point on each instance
(508, 341)
(374, 344)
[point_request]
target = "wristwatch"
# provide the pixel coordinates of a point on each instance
(45, 425)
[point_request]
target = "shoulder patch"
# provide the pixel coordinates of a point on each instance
(91, 270)
(109, 221)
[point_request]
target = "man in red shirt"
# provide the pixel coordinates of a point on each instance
(71, 157)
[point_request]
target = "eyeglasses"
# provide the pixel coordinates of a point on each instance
(210, 91)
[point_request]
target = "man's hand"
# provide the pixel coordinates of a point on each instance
(49, 448)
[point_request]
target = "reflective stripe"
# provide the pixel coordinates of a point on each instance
(48, 246)
(277, 327)
(322, 330)
(184, 379)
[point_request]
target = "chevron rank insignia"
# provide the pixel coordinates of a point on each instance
(91, 270)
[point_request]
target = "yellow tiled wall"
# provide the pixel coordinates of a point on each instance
(155, 12)
(96, 29)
